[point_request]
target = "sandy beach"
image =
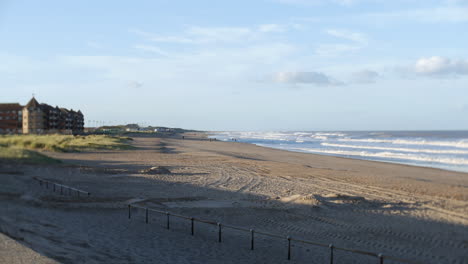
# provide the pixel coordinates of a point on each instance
(410, 212)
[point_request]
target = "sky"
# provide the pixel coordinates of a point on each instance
(248, 65)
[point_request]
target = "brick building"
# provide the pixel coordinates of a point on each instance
(36, 118)
(43, 118)
(11, 119)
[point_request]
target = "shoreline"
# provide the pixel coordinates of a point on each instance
(378, 161)
(347, 157)
(389, 170)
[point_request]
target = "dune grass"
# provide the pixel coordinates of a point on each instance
(25, 156)
(64, 143)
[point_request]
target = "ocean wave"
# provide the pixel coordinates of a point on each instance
(258, 135)
(302, 133)
(390, 155)
(432, 151)
(319, 137)
(282, 136)
(456, 144)
(336, 134)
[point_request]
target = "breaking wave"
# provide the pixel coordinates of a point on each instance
(455, 144)
(433, 151)
(439, 149)
(392, 155)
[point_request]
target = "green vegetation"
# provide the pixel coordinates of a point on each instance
(25, 156)
(64, 143)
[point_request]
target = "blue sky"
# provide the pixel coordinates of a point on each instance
(242, 65)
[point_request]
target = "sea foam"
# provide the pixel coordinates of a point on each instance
(440, 149)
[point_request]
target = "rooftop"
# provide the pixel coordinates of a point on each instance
(10, 106)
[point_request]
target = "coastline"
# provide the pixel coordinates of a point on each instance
(460, 178)
(404, 211)
(437, 165)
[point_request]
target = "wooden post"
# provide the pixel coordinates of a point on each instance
(191, 220)
(252, 239)
(167, 214)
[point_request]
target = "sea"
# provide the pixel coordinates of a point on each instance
(437, 149)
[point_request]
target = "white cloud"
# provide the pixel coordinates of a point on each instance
(156, 38)
(213, 64)
(355, 41)
(271, 28)
(365, 76)
(220, 34)
(200, 35)
(318, 2)
(134, 84)
(152, 49)
(450, 14)
(332, 50)
(316, 78)
(437, 65)
(203, 35)
(171, 39)
(348, 35)
(299, 2)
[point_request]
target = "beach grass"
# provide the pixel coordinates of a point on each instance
(12, 154)
(65, 143)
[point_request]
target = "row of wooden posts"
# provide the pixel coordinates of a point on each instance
(64, 189)
(332, 248)
(379, 256)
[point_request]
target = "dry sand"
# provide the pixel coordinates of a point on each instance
(403, 211)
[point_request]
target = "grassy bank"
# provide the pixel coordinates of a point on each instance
(20, 148)
(64, 143)
(25, 156)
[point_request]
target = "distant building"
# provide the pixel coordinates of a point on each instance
(11, 118)
(132, 128)
(163, 129)
(36, 118)
(43, 118)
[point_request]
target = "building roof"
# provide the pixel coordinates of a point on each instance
(10, 106)
(32, 103)
(46, 106)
